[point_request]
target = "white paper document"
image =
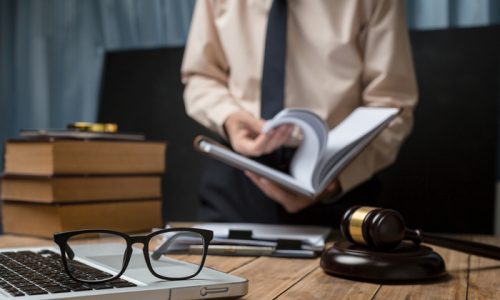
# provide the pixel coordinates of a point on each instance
(312, 237)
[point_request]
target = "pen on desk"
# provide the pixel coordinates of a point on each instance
(232, 250)
(295, 253)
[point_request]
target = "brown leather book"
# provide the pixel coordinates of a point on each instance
(48, 157)
(43, 220)
(79, 189)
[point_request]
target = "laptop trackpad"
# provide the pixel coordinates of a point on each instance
(136, 268)
(136, 265)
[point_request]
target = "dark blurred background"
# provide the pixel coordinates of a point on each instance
(118, 61)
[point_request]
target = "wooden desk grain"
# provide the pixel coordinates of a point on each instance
(471, 277)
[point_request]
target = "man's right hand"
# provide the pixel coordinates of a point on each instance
(246, 137)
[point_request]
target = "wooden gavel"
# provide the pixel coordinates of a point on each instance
(384, 229)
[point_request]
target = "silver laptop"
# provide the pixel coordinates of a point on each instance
(21, 276)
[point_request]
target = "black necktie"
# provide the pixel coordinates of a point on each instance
(273, 74)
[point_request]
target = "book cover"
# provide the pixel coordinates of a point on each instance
(37, 219)
(63, 189)
(64, 157)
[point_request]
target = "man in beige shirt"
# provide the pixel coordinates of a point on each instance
(340, 54)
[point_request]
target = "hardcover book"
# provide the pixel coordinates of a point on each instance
(39, 219)
(62, 189)
(48, 157)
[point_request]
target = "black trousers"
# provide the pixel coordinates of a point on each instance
(228, 195)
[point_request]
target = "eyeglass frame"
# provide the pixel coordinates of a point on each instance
(61, 239)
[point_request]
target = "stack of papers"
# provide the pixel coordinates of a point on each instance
(273, 240)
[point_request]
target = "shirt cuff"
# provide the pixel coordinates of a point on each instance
(339, 193)
(353, 175)
(219, 114)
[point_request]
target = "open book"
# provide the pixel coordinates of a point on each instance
(322, 154)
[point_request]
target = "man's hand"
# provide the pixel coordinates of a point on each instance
(291, 201)
(246, 137)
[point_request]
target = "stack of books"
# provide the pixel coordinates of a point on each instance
(52, 185)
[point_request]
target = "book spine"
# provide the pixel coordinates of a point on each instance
(43, 220)
(80, 189)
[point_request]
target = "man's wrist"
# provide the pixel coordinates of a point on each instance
(227, 125)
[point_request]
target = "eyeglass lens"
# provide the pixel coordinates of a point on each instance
(83, 245)
(176, 254)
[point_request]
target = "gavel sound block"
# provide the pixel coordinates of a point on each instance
(374, 250)
(406, 263)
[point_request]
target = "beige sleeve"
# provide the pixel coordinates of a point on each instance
(388, 80)
(205, 72)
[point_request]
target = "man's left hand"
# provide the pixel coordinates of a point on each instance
(291, 201)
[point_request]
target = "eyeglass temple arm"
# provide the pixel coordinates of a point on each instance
(163, 248)
(69, 252)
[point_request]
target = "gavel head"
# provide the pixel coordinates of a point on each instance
(374, 227)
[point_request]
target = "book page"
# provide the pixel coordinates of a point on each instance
(312, 147)
(244, 163)
(350, 137)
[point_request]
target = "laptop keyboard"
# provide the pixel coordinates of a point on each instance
(35, 273)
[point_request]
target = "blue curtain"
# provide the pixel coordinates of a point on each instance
(51, 53)
(433, 14)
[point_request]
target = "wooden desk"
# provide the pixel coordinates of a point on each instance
(472, 277)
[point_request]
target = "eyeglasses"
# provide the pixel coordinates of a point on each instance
(170, 254)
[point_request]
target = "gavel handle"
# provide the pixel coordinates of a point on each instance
(470, 247)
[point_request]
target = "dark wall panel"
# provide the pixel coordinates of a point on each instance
(444, 178)
(142, 92)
